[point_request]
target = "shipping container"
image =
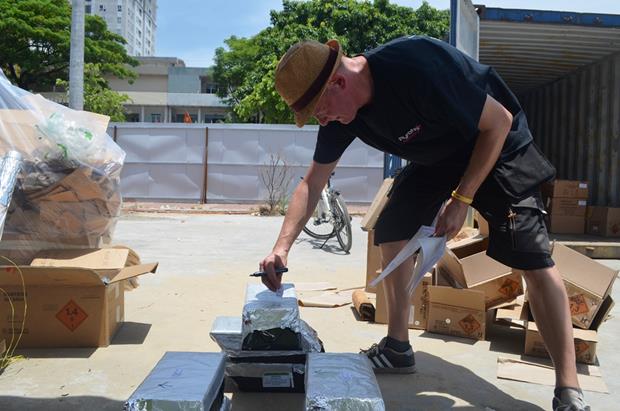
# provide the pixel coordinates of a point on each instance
(565, 69)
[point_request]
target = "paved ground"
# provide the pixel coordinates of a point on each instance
(204, 262)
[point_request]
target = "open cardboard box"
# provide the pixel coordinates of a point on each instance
(418, 310)
(76, 298)
(566, 188)
(457, 312)
(585, 344)
(588, 284)
(498, 282)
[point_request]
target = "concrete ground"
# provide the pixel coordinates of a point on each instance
(204, 265)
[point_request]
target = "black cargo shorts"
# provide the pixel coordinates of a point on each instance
(518, 235)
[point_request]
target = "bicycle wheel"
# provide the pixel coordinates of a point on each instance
(343, 224)
(320, 225)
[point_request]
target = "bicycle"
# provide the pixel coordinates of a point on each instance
(331, 219)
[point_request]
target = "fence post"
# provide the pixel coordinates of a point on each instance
(203, 195)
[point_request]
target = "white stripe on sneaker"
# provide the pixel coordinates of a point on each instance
(376, 362)
(386, 361)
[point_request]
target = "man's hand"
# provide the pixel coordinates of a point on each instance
(273, 280)
(451, 219)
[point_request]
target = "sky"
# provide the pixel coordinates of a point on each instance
(192, 29)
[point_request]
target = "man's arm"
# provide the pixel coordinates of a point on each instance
(494, 125)
(301, 207)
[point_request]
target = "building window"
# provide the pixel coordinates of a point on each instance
(101, 8)
(87, 9)
(214, 118)
(118, 20)
(132, 117)
(119, 8)
(155, 118)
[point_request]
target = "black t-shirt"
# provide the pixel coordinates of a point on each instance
(427, 101)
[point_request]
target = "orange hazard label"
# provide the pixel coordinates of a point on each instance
(578, 304)
(469, 324)
(71, 315)
(509, 288)
(581, 346)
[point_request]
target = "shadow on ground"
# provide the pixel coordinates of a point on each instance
(438, 385)
(68, 403)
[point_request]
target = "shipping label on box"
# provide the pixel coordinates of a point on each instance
(603, 221)
(418, 310)
(566, 188)
(585, 344)
(568, 207)
(456, 312)
(587, 283)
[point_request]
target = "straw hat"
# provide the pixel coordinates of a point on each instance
(302, 74)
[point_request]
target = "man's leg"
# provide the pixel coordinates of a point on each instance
(395, 289)
(393, 354)
(549, 303)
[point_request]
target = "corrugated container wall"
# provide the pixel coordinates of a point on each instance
(576, 122)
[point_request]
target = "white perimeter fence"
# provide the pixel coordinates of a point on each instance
(222, 162)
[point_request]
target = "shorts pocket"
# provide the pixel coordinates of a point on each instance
(526, 226)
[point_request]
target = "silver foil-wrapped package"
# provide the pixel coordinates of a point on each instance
(10, 165)
(267, 377)
(182, 381)
(341, 382)
(270, 320)
(226, 332)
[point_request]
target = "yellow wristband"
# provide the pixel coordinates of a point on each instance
(462, 198)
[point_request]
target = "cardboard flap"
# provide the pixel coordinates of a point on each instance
(468, 246)
(480, 268)
(472, 299)
(450, 265)
(134, 271)
(585, 335)
(57, 276)
(95, 259)
(583, 271)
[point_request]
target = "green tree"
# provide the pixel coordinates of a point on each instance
(35, 43)
(245, 68)
(98, 97)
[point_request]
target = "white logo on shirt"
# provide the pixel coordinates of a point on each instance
(410, 134)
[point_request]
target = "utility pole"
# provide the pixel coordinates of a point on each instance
(76, 61)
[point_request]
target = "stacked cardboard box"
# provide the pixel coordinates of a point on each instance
(603, 221)
(566, 202)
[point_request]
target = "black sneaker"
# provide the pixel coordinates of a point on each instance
(569, 399)
(387, 361)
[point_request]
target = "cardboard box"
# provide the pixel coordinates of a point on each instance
(468, 246)
(585, 344)
(377, 205)
(566, 188)
(498, 282)
(483, 225)
(456, 312)
(603, 221)
(568, 207)
(587, 283)
(75, 297)
(567, 224)
(373, 261)
(418, 312)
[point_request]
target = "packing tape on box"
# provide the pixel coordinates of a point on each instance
(341, 382)
(266, 310)
(226, 332)
(258, 370)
